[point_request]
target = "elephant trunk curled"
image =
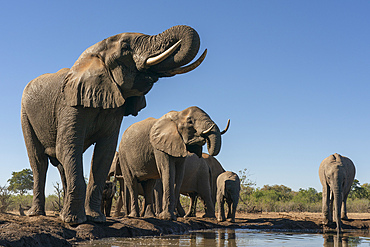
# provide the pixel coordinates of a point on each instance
(189, 47)
(213, 139)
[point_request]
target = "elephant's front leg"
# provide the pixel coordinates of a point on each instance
(102, 159)
(167, 171)
(179, 176)
(70, 155)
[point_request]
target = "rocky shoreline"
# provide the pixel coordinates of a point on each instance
(49, 230)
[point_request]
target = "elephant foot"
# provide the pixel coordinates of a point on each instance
(149, 213)
(209, 216)
(133, 214)
(231, 220)
(189, 215)
(167, 216)
(95, 216)
(117, 214)
(35, 211)
(220, 219)
(73, 219)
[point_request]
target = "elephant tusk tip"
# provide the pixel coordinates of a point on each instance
(227, 127)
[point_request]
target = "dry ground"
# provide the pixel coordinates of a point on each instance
(48, 230)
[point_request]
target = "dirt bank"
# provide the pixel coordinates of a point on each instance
(48, 230)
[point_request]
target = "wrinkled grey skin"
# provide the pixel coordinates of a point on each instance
(107, 197)
(228, 189)
(64, 113)
(157, 148)
(197, 182)
(336, 174)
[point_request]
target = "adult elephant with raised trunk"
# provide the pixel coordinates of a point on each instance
(64, 113)
(157, 148)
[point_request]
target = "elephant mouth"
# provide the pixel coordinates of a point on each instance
(196, 141)
(151, 61)
(185, 69)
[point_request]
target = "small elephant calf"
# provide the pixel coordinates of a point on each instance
(107, 198)
(228, 188)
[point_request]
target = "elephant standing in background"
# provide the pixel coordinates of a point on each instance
(336, 174)
(107, 197)
(200, 179)
(228, 189)
(64, 113)
(157, 148)
(196, 182)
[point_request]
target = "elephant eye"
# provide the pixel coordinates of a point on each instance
(125, 46)
(189, 121)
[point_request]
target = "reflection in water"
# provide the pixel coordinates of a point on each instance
(334, 240)
(239, 237)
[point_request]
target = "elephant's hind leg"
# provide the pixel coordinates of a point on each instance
(39, 165)
(148, 187)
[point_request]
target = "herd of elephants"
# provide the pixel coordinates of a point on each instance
(64, 113)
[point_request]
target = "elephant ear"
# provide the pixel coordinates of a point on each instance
(165, 137)
(89, 83)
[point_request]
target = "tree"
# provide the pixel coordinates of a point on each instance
(21, 182)
(306, 196)
(5, 199)
(358, 191)
(58, 203)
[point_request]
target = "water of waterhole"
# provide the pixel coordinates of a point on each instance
(240, 237)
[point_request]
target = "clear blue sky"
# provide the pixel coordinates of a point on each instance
(293, 76)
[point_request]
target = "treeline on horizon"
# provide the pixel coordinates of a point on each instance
(269, 198)
(280, 198)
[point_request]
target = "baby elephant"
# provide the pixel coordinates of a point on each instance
(107, 198)
(228, 188)
(336, 175)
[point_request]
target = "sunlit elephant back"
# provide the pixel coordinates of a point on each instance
(64, 113)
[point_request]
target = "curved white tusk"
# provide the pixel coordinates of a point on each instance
(157, 59)
(186, 69)
(208, 130)
(227, 127)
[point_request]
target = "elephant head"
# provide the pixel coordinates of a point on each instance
(121, 69)
(177, 133)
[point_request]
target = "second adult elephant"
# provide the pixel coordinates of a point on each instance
(156, 148)
(336, 174)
